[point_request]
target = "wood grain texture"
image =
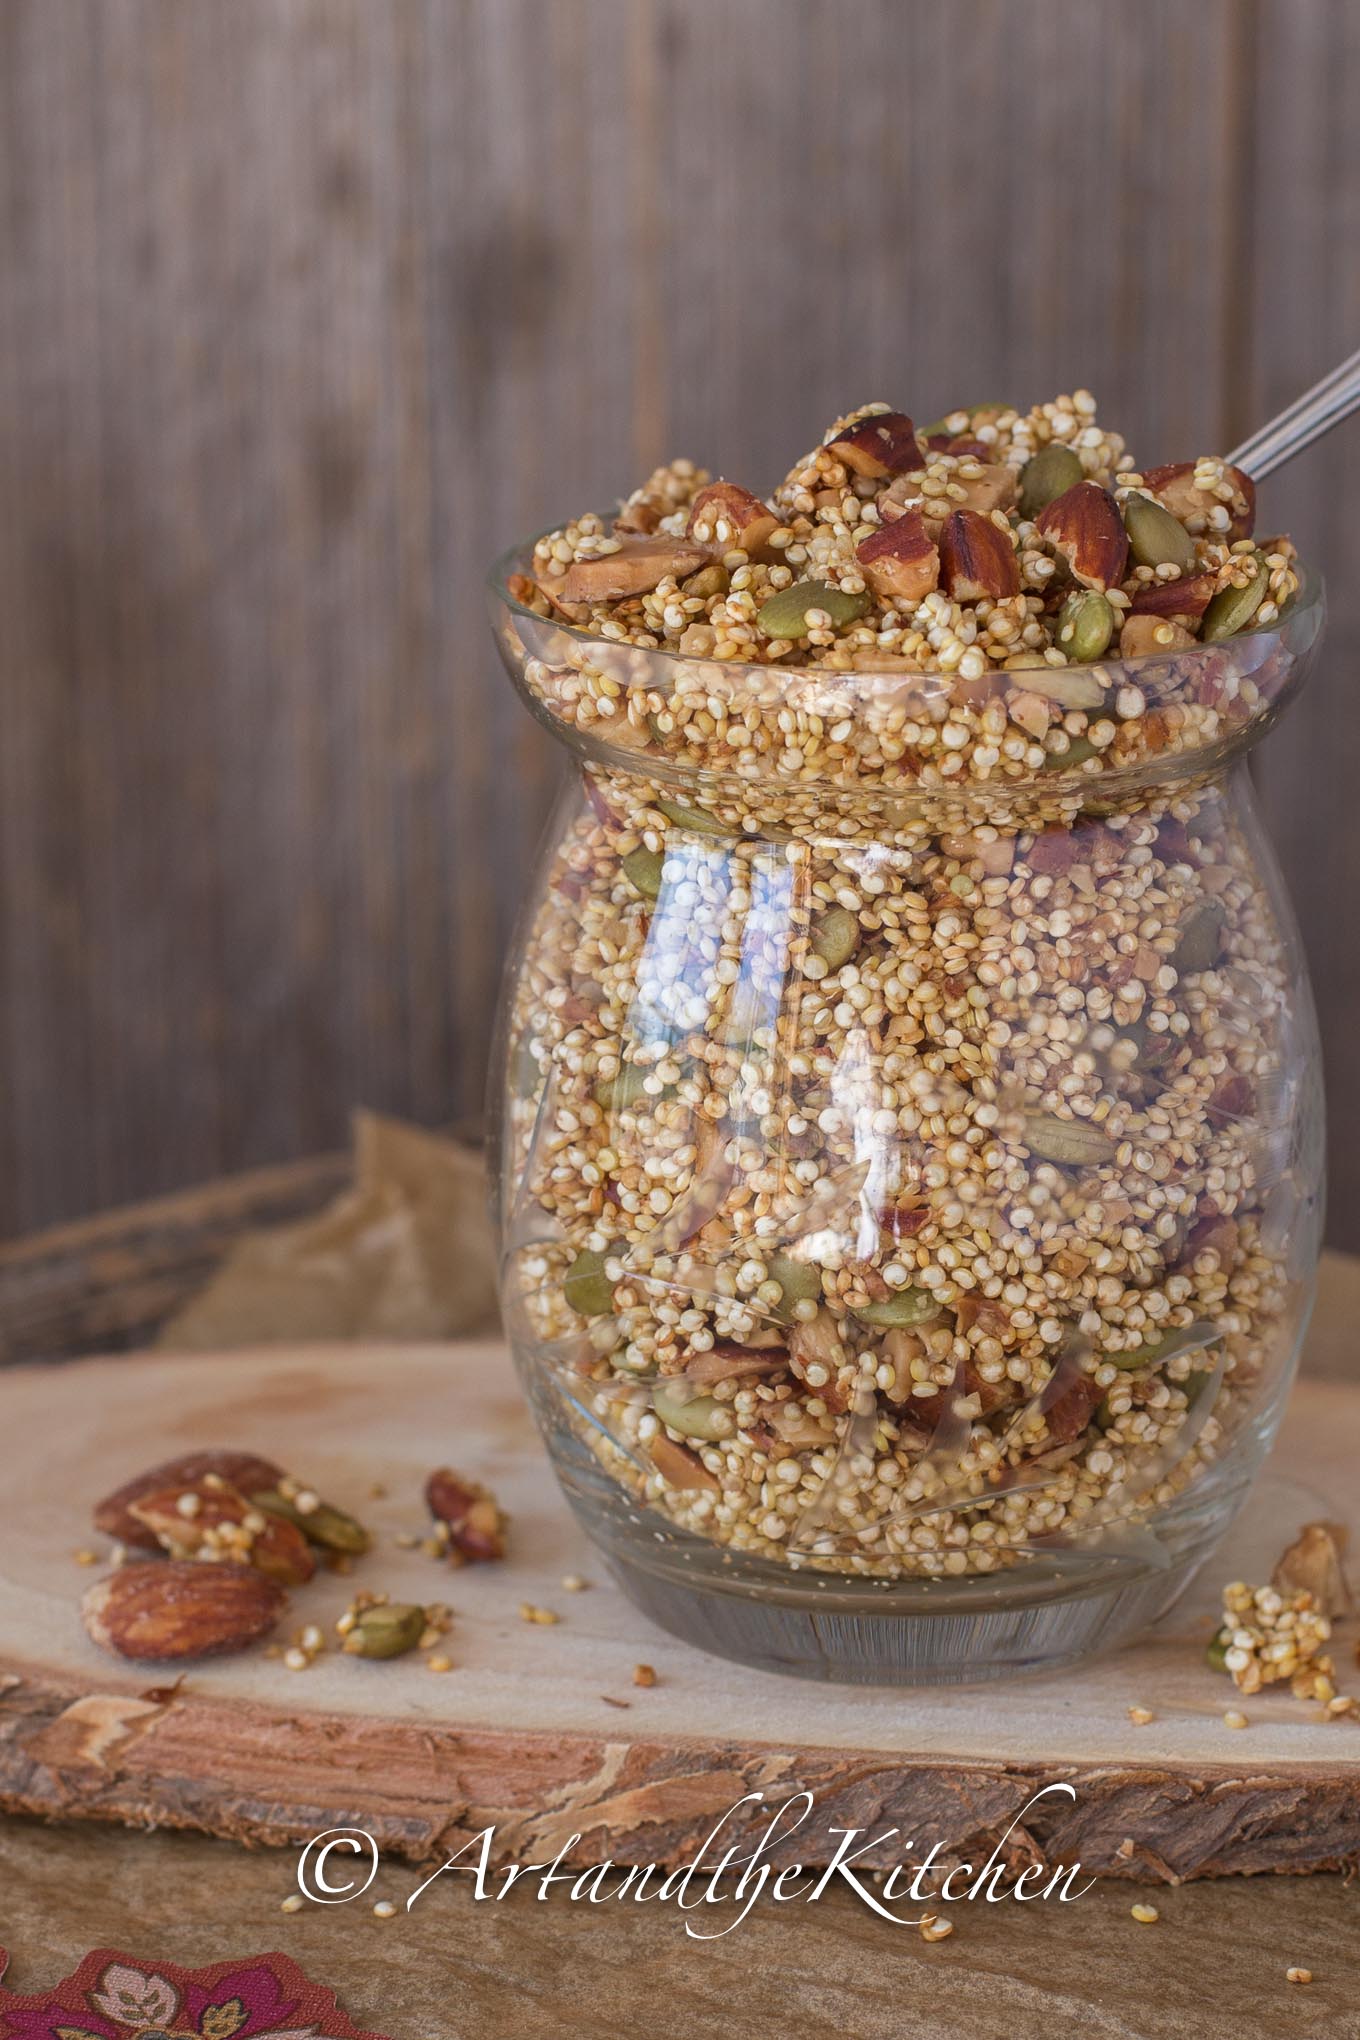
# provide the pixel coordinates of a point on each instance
(312, 305)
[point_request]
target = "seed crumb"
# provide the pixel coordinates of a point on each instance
(1141, 1716)
(572, 1583)
(406, 1541)
(439, 1663)
(529, 1613)
(644, 1675)
(384, 1909)
(293, 1903)
(1234, 1719)
(377, 1492)
(1145, 1915)
(297, 1660)
(85, 1557)
(1297, 1975)
(1125, 1849)
(935, 1929)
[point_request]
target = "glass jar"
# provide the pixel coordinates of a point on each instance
(910, 1140)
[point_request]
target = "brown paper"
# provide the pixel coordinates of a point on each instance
(406, 1253)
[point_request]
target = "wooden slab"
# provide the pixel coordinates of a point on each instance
(522, 1733)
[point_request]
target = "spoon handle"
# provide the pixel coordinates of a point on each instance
(1303, 421)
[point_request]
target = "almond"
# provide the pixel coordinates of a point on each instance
(977, 558)
(725, 516)
(900, 561)
(1174, 488)
(1190, 596)
(878, 446)
(639, 565)
(247, 1472)
(1145, 633)
(679, 1467)
(469, 1516)
(178, 1609)
(210, 1521)
(1084, 525)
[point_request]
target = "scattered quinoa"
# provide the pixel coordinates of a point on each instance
(1268, 1636)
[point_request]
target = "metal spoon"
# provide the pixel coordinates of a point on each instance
(1301, 422)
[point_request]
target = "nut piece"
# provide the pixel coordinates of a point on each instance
(1313, 1565)
(878, 446)
(178, 1609)
(1145, 633)
(900, 560)
(679, 1467)
(977, 559)
(1071, 1143)
(1085, 527)
(725, 515)
(993, 487)
(1174, 486)
(639, 565)
(212, 1522)
(468, 1514)
(244, 1471)
(1185, 599)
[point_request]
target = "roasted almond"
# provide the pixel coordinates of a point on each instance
(210, 1521)
(470, 1520)
(900, 560)
(881, 445)
(1190, 596)
(1085, 527)
(725, 515)
(164, 1610)
(639, 565)
(977, 558)
(247, 1472)
(1174, 487)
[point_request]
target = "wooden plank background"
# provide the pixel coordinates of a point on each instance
(309, 306)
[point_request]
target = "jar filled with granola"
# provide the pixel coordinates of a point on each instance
(910, 1122)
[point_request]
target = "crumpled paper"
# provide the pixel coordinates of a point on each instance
(406, 1253)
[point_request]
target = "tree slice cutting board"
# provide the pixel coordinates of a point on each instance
(540, 1730)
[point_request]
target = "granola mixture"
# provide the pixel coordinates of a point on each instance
(905, 1126)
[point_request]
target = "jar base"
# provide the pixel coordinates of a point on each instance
(808, 1636)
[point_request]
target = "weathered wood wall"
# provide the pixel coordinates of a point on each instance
(308, 306)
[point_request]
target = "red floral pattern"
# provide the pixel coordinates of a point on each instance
(111, 1997)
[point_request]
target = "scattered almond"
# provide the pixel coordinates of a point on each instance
(176, 1608)
(468, 1518)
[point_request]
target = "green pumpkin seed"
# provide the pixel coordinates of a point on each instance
(1233, 608)
(696, 1416)
(1077, 753)
(834, 936)
(586, 1286)
(389, 1630)
(1216, 1651)
(799, 1282)
(1156, 538)
(525, 1073)
(329, 1528)
(785, 614)
(1072, 1143)
(1050, 473)
(693, 819)
(1201, 942)
(905, 1307)
(1153, 1352)
(1085, 627)
(710, 580)
(626, 1088)
(642, 869)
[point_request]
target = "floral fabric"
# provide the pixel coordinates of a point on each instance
(111, 1997)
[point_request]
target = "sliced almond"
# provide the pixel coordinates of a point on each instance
(977, 559)
(639, 565)
(1085, 527)
(900, 560)
(878, 446)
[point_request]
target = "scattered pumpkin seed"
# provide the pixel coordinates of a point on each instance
(799, 1282)
(642, 869)
(1201, 942)
(785, 614)
(698, 1416)
(904, 1307)
(1072, 1143)
(586, 1286)
(1085, 627)
(389, 1630)
(329, 1528)
(1048, 474)
(1232, 609)
(1216, 1652)
(835, 936)
(1156, 538)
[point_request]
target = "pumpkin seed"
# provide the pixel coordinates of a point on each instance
(1152, 1352)
(1156, 538)
(1216, 1651)
(525, 1074)
(586, 1286)
(799, 1282)
(696, 1416)
(1201, 942)
(905, 1307)
(331, 1528)
(1232, 609)
(626, 1088)
(785, 614)
(1077, 753)
(1050, 473)
(389, 1630)
(693, 819)
(835, 936)
(1085, 627)
(1073, 1143)
(710, 580)
(642, 869)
